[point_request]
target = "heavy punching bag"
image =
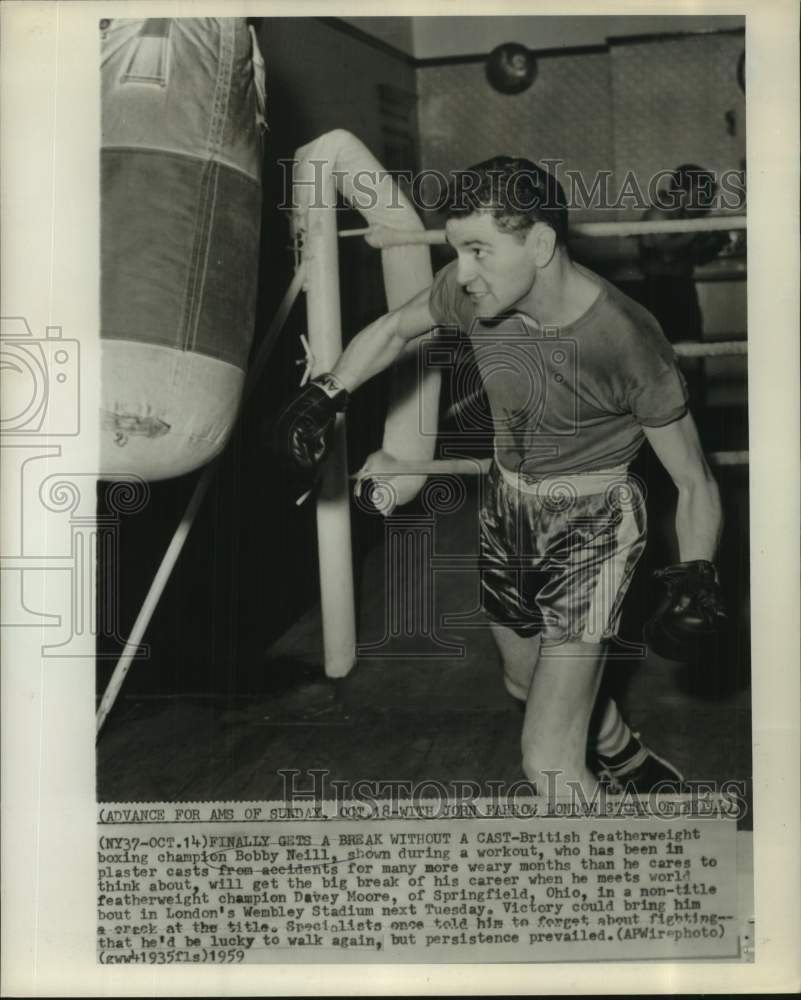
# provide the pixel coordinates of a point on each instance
(182, 128)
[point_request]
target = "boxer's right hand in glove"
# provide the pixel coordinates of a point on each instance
(690, 616)
(304, 431)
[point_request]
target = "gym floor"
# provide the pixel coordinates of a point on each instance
(410, 717)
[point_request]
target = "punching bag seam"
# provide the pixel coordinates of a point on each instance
(180, 155)
(222, 89)
(199, 256)
(259, 86)
(126, 337)
(207, 196)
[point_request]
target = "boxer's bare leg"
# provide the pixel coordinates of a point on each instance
(520, 655)
(560, 702)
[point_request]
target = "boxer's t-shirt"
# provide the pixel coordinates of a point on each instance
(573, 398)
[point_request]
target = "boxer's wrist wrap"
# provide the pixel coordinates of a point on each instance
(334, 389)
(701, 569)
(305, 429)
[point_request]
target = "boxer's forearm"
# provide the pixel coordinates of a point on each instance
(373, 349)
(380, 344)
(698, 512)
(699, 518)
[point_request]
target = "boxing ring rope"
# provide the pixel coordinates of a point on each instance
(383, 236)
(713, 349)
(170, 557)
(480, 466)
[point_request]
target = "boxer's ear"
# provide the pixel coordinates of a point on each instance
(541, 240)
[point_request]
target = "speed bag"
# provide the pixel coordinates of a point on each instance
(181, 151)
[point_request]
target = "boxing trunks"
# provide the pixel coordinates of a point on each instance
(558, 553)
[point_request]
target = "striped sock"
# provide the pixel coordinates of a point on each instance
(613, 733)
(629, 757)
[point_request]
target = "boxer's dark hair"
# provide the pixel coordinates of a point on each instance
(516, 192)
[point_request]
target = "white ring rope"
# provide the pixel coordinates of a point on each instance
(721, 348)
(382, 237)
(727, 457)
(480, 466)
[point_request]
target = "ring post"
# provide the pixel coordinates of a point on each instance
(320, 253)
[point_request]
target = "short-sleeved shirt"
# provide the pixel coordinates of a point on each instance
(574, 398)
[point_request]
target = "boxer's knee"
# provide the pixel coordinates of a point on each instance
(519, 655)
(517, 687)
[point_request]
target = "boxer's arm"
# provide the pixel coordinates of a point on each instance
(380, 344)
(304, 429)
(689, 623)
(698, 512)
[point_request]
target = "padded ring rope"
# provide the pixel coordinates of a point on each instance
(382, 237)
(721, 348)
(479, 466)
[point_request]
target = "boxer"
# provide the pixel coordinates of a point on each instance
(591, 378)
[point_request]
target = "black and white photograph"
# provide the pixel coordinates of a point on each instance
(297, 625)
(421, 568)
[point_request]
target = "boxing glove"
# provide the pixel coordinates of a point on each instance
(690, 618)
(304, 430)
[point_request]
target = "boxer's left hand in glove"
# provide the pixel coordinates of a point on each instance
(304, 430)
(690, 614)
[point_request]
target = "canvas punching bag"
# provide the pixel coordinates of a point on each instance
(181, 152)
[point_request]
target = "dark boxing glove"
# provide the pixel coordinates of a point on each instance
(304, 430)
(690, 618)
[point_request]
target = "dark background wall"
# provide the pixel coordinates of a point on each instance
(566, 114)
(677, 100)
(639, 105)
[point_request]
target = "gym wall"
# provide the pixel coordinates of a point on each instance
(643, 105)
(670, 99)
(566, 114)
